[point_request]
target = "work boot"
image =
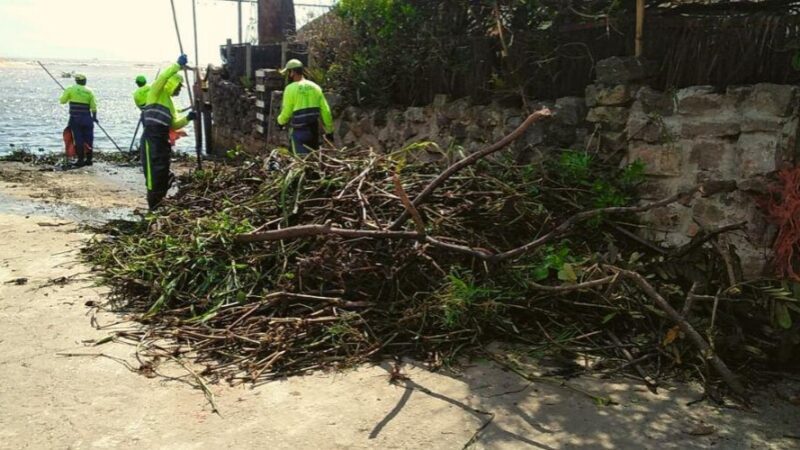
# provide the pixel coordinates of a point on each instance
(154, 199)
(80, 163)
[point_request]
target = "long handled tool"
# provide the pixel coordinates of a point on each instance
(135, 132)
(191, 96)
(98, 124)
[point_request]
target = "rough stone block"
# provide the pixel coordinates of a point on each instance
(476, 133)
(512, 122)
(535, 134)
(335, 101)
(697, 100)
(614, 140)
(621, 70)
(757, 185)
(490, 118)
(709, 128)
(350, 114)
(762, 123)
(655, 189)
(643, 128)
(758, 153)
(598, 95)
(738, 94)
(456, 109)
(459, 130)
(414, 114)
(611, 117)
(771, 99)
(362, 127)
(439, 100)
(570, 110)
(708, 211)
(659, 160)
(655, 102)
(560, 134)
(709, 154)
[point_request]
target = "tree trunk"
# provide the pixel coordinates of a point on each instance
(275, 20)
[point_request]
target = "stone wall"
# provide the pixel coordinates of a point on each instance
(734, 138)
(463, 124)
(233, 110)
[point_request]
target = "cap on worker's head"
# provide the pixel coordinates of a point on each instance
(291, 64)
(141, 80)
(80, 77)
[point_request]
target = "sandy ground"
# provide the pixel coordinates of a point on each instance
(54, 401)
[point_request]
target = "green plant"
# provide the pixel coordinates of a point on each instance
(460, 296)
(555, 258)
(246, 82)
(574, 166)
(632, 174)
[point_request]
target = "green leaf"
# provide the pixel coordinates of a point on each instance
(782, 316)
(609, 316)
(541, 273)
(567, 273)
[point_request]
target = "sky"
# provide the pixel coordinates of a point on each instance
(124, 30)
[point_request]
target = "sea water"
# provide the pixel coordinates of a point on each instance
(31, 116)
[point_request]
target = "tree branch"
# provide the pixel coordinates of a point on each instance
(469, 160)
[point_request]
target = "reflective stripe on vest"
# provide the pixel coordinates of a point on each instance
(304, 117)
(156, 115)
(78, 109)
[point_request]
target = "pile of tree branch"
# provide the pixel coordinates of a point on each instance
(347, 256)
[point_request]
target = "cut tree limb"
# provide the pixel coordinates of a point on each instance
(482, 254)
(715, 361)
(468, 161)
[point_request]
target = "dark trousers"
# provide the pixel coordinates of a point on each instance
(304, 139)
(83, 132)
(155, 152)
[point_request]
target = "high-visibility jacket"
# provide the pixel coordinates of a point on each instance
(159, 110)
(81, 100)
(304, 104)
(140, 96)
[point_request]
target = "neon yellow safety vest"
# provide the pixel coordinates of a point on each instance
(159, 109)
(79, 97)
(303, 104)
(140, 96)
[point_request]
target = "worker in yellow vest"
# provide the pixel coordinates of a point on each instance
(159, 117)
(303, 106)
(82, 117)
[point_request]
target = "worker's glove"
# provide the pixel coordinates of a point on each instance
(94, 117)
(329, 136)
(183, 60)
(191, 116)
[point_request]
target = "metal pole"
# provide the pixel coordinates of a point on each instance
(240, 20)
(51, 75)
(135, 132)
(194, 23)
(186, 75)
(198, 107)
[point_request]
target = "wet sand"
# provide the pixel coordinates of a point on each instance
(54, 401)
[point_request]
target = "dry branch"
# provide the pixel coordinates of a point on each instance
(468, 161)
